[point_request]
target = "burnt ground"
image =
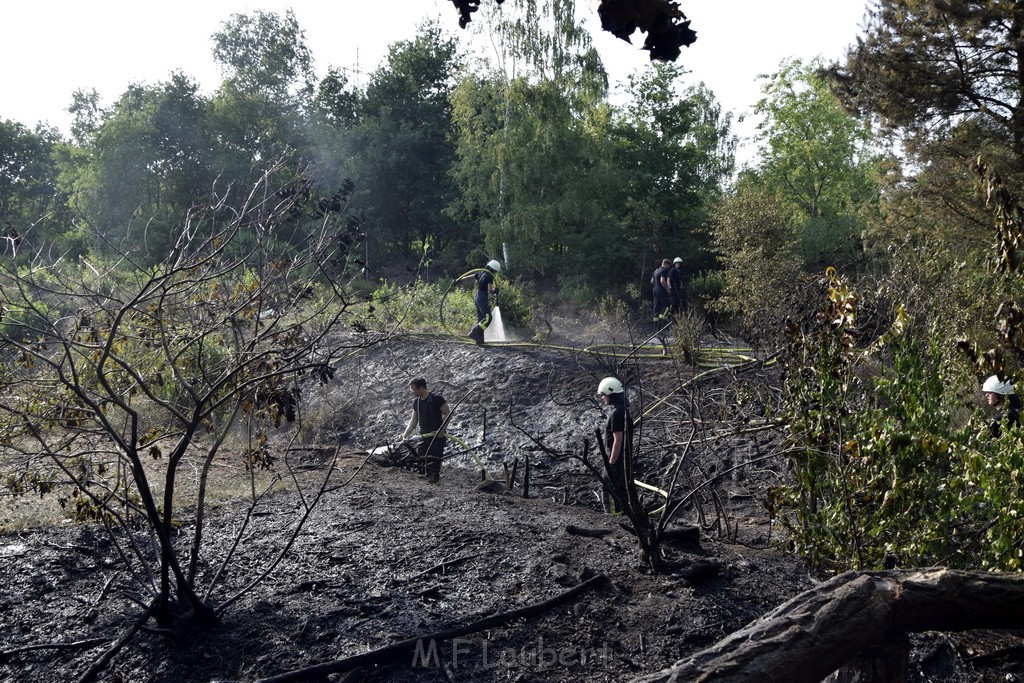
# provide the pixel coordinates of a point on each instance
(387, 556)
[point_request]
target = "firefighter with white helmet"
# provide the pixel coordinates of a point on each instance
(608, 386)
(1000, 396)
(675, 283)
(485, 287)
(617, 427)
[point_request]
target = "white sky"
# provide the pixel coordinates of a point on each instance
(49, 48)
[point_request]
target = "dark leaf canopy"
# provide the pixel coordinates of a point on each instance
(929, 64)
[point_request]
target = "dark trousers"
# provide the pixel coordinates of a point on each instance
(431, 451)
(661, 303)
(483, 311)
(616, 480)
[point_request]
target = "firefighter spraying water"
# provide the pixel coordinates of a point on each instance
(486, 287)
(495, 332)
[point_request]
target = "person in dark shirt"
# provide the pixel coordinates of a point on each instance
(485, 287)
(675, 281)
(660, 282)
(616, 429)
(430, 411)
(999, 395)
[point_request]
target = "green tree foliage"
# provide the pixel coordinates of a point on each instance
(526, 125)
(543, 40)
(945, 80)
(535, 173)
(666, 26)
(150, 159)
(816, 157)
(336, 102)
(756, 243)
(925, 66)
(674, 152)
(817, 161)
(401, 146)
(265, 53)
(159, 150)
(30, 203)
(268, 85)
(534, 165)
(889, 467)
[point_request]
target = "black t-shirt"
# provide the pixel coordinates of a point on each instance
(658, 274)
(483, 281)
(616, 422)
(429, 411)
(675, 276)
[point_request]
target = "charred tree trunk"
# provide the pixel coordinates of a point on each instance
(855, 617)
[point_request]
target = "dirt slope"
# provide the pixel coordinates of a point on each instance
(390, 556)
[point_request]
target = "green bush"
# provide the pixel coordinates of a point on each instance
(754, 238)
(829, 240)
(441, 307)
(704, 291)
(885, 467)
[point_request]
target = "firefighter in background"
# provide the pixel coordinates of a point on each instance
(660, 290)
(1000, 396)
(675, 281)
(485, 288)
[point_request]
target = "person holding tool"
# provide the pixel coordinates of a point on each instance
(430, 411)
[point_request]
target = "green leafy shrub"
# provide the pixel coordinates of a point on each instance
(704, 290)
(753, 235)
(830, 240)
(886, 469)
(418, 308)
(441, 307)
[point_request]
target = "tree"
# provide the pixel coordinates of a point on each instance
(817, 161)
(674, 152)
(116, 375)
(534, 171)
(265, 53)
(534, 161)
(267, 88)
(945, 79)
(150, 159)
(402, 146)
(755, 241)
(666, 26)
(924, 66)
(816, 156)
(28, 185)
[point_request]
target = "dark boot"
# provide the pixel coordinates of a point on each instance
(477, 335)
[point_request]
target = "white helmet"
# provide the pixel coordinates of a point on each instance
(494, 265)
(996, 387)
(678, 260)
(609, 385)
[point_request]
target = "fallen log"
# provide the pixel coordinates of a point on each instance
(852, 617)
(398, 653)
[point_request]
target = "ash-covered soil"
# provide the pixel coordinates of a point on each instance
(386, 556)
